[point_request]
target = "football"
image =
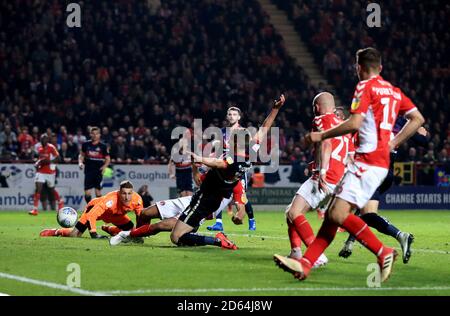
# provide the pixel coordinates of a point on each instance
(67, 217)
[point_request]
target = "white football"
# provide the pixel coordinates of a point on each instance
(67, 217)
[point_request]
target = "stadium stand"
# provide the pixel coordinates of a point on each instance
(138, 71)
(416, 49)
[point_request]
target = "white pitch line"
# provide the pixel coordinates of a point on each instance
(4, 294)
(50, 285)
(443, 252)
(285, 289)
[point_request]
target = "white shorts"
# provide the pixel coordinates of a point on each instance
(311, 193)
(360, 182)
(45, 178)
(174, 207)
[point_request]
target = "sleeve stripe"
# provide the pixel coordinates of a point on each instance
(411, 110)
(360, 87)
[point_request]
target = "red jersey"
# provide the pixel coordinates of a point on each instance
(380, 103)
(340, 147)
(48, 152)
(26, 141)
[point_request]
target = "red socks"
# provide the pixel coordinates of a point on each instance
(358, 228)
(304, 229)
(323, 239)
(294, 237)
(145, 230)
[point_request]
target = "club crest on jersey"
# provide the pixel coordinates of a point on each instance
(355, 103)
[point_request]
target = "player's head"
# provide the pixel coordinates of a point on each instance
(233, 115)
(323, 103)
(95, 133)
(368, 63)
(125, 192)
(44, 139)
(341, 113)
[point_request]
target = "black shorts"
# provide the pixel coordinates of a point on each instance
(202, 205)
(93, 181)
(184, 180)
(384, 186)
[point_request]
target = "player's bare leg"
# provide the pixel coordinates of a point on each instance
(299, 226)
(297, 209)
(64, 232)
(98, 192)
(59, 199)
(339, 215)
(36, 198)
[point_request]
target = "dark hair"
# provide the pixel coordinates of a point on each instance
(368, 58)
(257, 170)
(126, 184)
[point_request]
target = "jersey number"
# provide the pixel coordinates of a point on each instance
(388, 110)
(335, 154)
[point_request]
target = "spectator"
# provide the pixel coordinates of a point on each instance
(147, 199)
(26, 142)
(68, 154)
(119, 150)
(137, 151)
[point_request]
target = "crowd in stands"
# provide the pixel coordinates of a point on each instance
(414, 39)
(137, 70)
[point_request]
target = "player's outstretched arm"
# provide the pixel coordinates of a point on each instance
(240, 214)
(351, 125)
(415, 121)
(209, 162)
(262, 132)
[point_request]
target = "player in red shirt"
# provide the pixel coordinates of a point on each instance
(329, 166)
(45, 171)
(375, 106)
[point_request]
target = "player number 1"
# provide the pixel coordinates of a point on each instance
(386, 109)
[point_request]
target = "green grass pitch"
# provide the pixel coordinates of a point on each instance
(159, 268)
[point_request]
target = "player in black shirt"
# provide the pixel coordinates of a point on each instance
(94, 159)
(219, 182)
